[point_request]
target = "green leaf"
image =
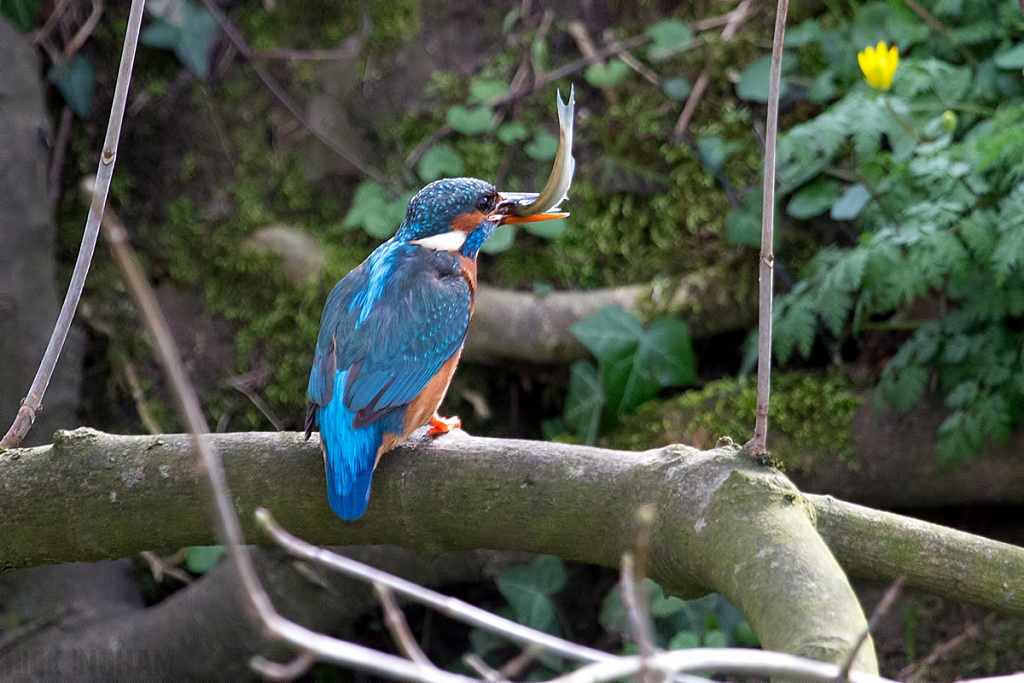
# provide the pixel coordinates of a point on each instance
(543, 147)
(677, 88)
(550, 229)
(743, 225)
(470, 121)
(500, 240)
(161, 35)
(684, 640)
(714, 151)
(527, 590)
(753, 85)
(601, 75)
(1011, 59)
(662, 606)
(22, 13)
(199, 559)
(76, 81)
(372, 210)
(903, 388)
(481, 90)
(585, 401)
(851, 203)
(716, 638)
(745, 635)
(608, 331)
(666, 353)
(823, 87)
(814, 199)
(510, 133)
(440, 161)
(613, 616)
(627, 386)
(669, 37)
(198, 35)
(807, 32)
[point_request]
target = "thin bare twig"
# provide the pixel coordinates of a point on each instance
(160, 567)
(238, 40)
(448, 606)
(915, 672)
(243, 385)
(940, 28)
(637, 615)
(43, 33)
(766, 272)
(394, 619)
(60, 148)
(477, 664)
(84, 31)
(881, 609)
(732, 21)
(284, 673)
(34, 399)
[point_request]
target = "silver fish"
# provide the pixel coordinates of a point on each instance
(558, 183)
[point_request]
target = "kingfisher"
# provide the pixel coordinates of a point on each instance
(393, 329)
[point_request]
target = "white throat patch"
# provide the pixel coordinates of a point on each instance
(446, 241)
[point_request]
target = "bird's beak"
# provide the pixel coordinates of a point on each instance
(507, 203)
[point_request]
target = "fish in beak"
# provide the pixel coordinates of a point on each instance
(529, 207)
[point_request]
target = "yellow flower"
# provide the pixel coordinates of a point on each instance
(879, 64)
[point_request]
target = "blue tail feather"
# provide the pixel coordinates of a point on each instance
(350, 453)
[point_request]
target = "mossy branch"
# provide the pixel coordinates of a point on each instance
(524, 326)
(722, 523)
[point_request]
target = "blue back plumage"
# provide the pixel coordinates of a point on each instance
(387, 329)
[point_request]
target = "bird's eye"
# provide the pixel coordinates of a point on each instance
(485, 204)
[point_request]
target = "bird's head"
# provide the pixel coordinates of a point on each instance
(458, 214)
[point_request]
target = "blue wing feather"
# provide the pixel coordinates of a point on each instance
(386, 330)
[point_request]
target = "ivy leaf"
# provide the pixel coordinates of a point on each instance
(500, 240)
(528, 590)
(814, 199)
(851, 203)
(1011, 59)
(470, 121)
(76, 81)
(200, 559)
(440, 161)
(161, 35)
(550, 229)
(373, 211)
(601, 75)
(677, 88)
(510, 133)
(669, 37)
(714, 151)
(585, 401)
(666, 353)
(22, 13)
(198, 35)
(627, 385)
(807, 32)
(609, 331)
(753, 85)
(543, 147)
(743, 225)
(481, 90)
(684, 640)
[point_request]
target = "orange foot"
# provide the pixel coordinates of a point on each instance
(443, 425)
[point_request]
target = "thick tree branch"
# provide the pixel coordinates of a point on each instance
(722, 523)
(524, 326)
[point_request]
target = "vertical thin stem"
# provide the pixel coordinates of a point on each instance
(34, 399)
(766, 274)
